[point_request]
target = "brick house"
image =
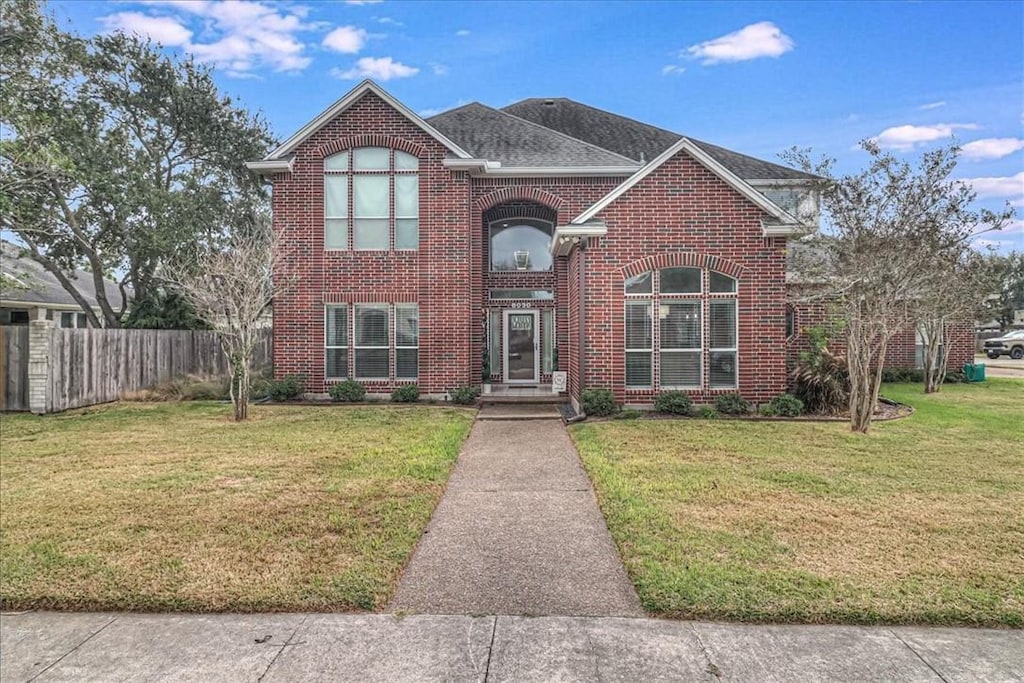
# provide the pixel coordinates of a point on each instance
(545, 236)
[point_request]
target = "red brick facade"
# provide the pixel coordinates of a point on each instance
(681, 214)
(902, 351)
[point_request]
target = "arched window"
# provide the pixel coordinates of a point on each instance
(371, 176)
(520, 244)
(695, 312)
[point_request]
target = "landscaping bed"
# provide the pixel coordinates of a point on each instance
(917, 522)
(172, 506)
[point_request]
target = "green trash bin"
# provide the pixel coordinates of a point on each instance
(974, 372)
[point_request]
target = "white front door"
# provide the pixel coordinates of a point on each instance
(522, 360)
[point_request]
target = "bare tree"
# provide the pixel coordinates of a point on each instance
(889, 226)
(231, 285)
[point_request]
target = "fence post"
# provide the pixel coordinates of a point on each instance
(38, 364)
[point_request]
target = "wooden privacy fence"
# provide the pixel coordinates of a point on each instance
(14, 368)
(72, 368)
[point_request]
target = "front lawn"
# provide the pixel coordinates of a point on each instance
(921, 521)
(174, 507)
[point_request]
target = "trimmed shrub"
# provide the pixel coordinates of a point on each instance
(463, 395)
(916, 376)
(732, 404)
(628, 414)
(349, 390)
(286, 388)
(407, 393)
(784, 405)
(674, 402)
(707, 412)
(599, 402)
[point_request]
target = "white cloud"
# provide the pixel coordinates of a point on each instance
(932, 105)
(389, 21)
(345, 39)
(905, 137)
(763, 39)
(991, 148)
(439, 69)
(363, 2)
(164, 30)
(239, 36)
(1008, 187)
(671, 69)
(380, 68)
(463, 32)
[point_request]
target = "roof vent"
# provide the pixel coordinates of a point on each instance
(549, 103)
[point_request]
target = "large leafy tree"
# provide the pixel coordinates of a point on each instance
(1007, 295)
(116, 157)
(895, 229)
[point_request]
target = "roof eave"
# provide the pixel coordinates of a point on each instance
(568, 236)
(784, 229)
(478, 167)
(289, 145)
(267, 167)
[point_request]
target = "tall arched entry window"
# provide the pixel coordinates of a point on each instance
(521, 286)
(520, 244)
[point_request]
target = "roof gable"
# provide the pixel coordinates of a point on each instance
(350, 98)
(788, 223)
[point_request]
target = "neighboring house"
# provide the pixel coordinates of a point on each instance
(544, 236)
(30, 292)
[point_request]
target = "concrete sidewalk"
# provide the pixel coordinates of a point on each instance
(337, 647)
(518, 531)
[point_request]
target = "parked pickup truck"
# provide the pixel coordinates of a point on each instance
(1010, 344)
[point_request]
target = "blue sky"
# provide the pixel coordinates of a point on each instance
(756, 77)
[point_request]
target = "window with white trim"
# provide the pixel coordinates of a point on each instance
(375, 176)
(372, 341)
(407, 341)
(639, 344)
(696, 335)
(336, 341)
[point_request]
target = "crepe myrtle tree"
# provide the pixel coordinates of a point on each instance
(890, 229)
(231, 285)
(114, 157)
(954, 291)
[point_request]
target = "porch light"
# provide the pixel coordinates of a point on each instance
(522, 260)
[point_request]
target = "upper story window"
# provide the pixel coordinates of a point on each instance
(375, 191)
(681, 329)
(520, 244)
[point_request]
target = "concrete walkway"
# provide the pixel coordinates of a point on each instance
(518, 531)
(338, 647)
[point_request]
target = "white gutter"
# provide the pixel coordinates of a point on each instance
(266, 167)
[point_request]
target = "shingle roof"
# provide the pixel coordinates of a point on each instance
(495, 135)
(634, 139)
(42, 287)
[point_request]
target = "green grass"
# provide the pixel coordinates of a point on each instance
(920, 521)
(175, 507)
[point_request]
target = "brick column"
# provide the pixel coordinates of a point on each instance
(38, 364)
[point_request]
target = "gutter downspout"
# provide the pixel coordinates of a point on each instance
(583, 317)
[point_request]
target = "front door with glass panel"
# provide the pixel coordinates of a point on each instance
(521, 348)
